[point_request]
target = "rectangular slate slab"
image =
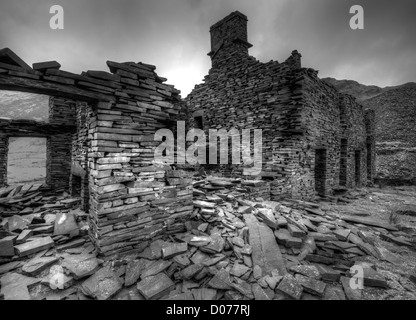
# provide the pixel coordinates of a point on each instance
(174, 249)
(266, 252)
(350, 292)
(34, 246)
(290, 287)
(23, 236)
(155, 287)
(6, 246)
(310, 285)
(102, 285)
(369, 222)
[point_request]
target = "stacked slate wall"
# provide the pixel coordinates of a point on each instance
(302, 119)
(134, 198)
(62, 112)
(102, 128)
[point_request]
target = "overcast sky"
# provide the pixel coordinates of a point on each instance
(174, 35)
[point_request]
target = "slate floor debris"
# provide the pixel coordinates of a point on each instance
(236, 247)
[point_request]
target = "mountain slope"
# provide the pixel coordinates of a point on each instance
(22, 105)
(395, 133)
(395, 110)
(363, 92)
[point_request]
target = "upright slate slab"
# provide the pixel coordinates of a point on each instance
(266, 252)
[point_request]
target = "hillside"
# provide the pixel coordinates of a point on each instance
(22, 105)
(363, 92)
(395, 133)
(395, 109)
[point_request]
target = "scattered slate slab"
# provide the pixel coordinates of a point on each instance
(273, 279)
(199, 257)
(389, 256)
(352, 294)
(102, 285)
(322, 236)
(284, 237)
(266, 252)
(239, 269)
(174, 249)
(43, 229)
(81, 266)
(309, 271)
(368, 222)
(190, 271)
(134, 270)
(238, 242)
(281, 222)
(257, 272)
(37, 265)
(234, 295)
(243, 287)
(204, 294)
(57, 279)
(72, 244)
(14, 286)
(214, 260)
(182, 260)
(260, 293)
(7, 246)
(308, 224)
(23, 236)
(373, 278)
(221, 280)
(328, 274)
(216, 245)
(295, 231)
(334, 293)
(61, 295)
(291, 287)
(155, 287)
(244, 209)
(4, 268)
(397, 240)
(181, 296)
(156, 267)
(189, 285)
(342, 234)
(311, 285)
(18, 223)
(204, 204)
(34, 246)
(412, 277)
(268, 218)
(65, 223)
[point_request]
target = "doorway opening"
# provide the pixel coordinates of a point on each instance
(343, 163)
(357, 167)
(320, 171)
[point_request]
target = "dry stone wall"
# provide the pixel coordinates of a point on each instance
(111, 149)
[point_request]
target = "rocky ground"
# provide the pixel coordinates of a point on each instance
(234, 248)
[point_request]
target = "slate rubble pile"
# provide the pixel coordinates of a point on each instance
(233, 249)
(35, 219)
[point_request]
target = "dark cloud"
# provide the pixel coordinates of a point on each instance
(174, 35)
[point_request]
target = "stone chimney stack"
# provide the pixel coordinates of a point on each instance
(229, 38)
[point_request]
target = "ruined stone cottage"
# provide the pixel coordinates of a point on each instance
(100, 133)
(100, 142)
(315, 139)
